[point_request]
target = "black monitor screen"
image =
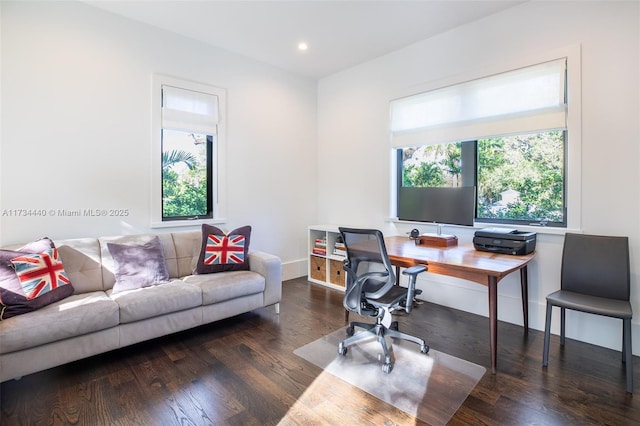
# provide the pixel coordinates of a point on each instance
(454, 206)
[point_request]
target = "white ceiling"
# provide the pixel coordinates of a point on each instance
(340, 34)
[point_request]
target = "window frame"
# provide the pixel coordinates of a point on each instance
(573, 141)
(217, 178)
(470, 176)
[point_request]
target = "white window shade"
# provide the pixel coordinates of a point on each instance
(520, 101)
(188, 110)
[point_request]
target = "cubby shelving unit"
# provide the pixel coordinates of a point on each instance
(325, 265)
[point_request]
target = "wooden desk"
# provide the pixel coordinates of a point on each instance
(465, 262)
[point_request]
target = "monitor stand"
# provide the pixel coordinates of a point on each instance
(437, 239)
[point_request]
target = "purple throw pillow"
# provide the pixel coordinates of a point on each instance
(138, 266)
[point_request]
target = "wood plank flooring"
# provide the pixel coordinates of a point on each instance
(242, 371)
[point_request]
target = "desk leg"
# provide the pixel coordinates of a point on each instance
(524, 283)
(493, 321)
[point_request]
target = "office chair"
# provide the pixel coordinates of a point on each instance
(595, 279)
(371, 291)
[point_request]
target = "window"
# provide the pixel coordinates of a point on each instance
(188, 177)
(505, 135)
(522, 179)
(519, 179)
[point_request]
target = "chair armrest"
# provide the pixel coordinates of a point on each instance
(412, 272)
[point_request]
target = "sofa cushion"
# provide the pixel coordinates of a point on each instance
(148, 302)
(222, 252)
(13, 300)
(187, 248)
(138, 266)
(229, 285)
(74, 316)
(82, 262)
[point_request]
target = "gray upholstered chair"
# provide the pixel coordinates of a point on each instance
(595, 278)
(371, 290)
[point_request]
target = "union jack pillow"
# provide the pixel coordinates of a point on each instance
(224, 249)
(40, 273)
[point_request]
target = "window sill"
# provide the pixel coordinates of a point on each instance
(551, 230)
(479, 225)
(183, 223)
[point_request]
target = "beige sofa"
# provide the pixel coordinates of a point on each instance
(94, 320)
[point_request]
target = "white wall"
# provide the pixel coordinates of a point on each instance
(353, 133)
(76, 132)
(76, 127)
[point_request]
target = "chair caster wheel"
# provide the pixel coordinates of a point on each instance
(342, 350)
(424, 349)
(350, 331)
(386, 368)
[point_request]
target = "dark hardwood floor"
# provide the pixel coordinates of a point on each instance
(243, 371)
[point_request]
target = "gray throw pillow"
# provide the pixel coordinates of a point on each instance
(138, 266)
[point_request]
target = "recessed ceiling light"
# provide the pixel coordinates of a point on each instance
(303, 46)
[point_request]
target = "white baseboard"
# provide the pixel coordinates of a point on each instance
(294, 269)
(472, 297)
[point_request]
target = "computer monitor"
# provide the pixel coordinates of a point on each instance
(453, 206)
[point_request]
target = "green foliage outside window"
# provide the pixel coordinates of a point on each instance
(184, 175)
(531, 166)
(518, 177)
(432, 166)
(184, 194)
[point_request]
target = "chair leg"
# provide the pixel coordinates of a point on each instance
(408, 337)
(547, 335)
(364, 325)
(627, 355)
(624, 343)
(385, 349)
(378, 331)
(369, 332)
(562, 325)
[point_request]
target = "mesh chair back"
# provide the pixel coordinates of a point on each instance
(366, 254)
(596, 265)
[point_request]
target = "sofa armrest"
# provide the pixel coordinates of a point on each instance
(270, 267)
